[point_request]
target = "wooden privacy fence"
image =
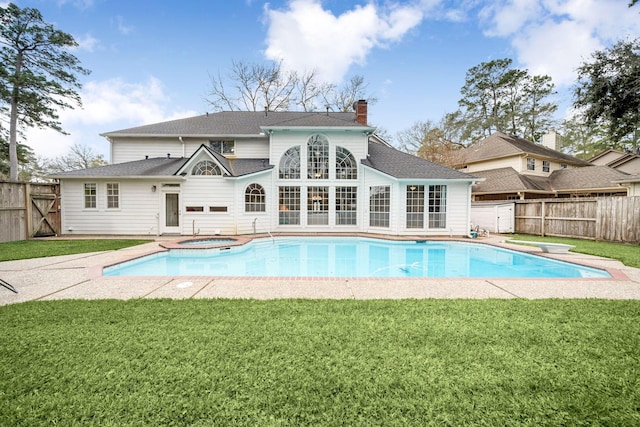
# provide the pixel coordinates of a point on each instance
(615, 219)
(28, 210)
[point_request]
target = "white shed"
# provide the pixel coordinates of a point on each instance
(495, 217)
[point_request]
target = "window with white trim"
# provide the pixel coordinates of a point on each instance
(437, 206)
(289, 205)
(379, 205)
(254, 198)
(318, 205)
(289, 167)
(113, 195)
(415, 206)
(224, 147)
(206, 167)
(546, 166)
(346, 165)
(531, 164)
(318, 157)
(346, 205)
(90, 195)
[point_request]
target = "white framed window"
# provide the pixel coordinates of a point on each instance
(113, 195)
(224, 147)
(531, 164)
(254, 198)
(289, 205)
(90, 195)
(437, 206)
(346, 165)
(546, 166)
(206, 167)
(289, 167)
(318, 157)
(318, 205)
(379, 205)
(415, 206)
(346, 205)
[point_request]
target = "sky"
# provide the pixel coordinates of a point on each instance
(152, 60)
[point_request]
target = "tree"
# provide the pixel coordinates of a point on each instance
(608, 91)
(77, 157)
(497, 97)
(24, 154)
(253, 87)
(38, 75)
(429, 141)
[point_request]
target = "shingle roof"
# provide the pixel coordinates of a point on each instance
(240, 123)
(158, 166)
(406, 166)
(590, 177)
(509, 180)
(162, 166)
(502, 145)
(506, 180)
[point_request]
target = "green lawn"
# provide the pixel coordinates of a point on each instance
(308, 362)
(26, 249)
(628, 254)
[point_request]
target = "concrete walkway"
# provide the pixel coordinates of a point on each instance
(74, 276)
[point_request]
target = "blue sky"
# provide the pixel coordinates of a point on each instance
(151, 60)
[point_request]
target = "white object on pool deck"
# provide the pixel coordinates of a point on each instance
(550, 248)
(183, 285)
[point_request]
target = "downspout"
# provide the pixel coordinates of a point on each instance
(183, 146)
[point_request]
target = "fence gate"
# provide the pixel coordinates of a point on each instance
(43, 210)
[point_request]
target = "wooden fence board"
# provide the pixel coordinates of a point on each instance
(615, 219)
(28, 210)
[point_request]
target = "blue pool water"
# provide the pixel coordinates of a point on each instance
(351, 257)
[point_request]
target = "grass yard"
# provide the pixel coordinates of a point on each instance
(312, 362)
(628, 254)
(27, 249)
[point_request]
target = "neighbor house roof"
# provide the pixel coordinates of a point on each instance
(507, 180)
(402, 165)
(240, 123)
(500, 145)
(589, 178)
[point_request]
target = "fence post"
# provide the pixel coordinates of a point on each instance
(28, 210)
(542, 219)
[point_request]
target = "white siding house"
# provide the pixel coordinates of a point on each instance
(236, 173)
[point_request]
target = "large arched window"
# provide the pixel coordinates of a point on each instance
(318, 157)
(254, 198)
(206, 167)
(290, 164)
(346, 166)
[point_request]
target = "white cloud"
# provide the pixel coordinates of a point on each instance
(307, 37)
(122, 28)
(555, 36)
(107, 105)
(86, 42)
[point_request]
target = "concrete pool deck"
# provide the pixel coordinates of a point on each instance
(77, 277)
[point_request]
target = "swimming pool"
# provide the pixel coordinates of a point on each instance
(351, 257)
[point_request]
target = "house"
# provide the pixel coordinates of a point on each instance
(516, 169)
(624, 161)
(245, 172)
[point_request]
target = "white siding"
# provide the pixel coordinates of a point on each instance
(137, 214)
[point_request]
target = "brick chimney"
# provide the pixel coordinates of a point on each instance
(361, 112)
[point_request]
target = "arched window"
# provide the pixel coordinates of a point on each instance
(206, 167)
(346, 166)
(317, 157)
(254, 198)
(290, 164)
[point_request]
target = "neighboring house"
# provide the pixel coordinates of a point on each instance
(257, 172)
(624, 161)
(516, 169)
